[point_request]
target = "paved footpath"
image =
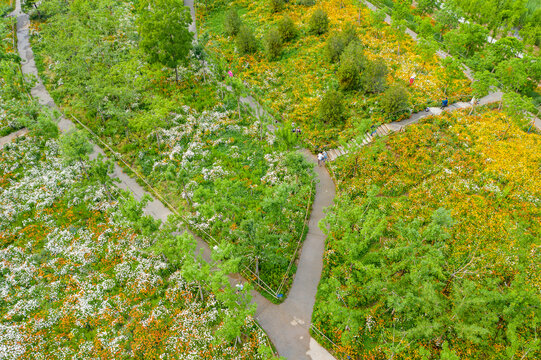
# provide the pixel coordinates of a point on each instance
(286, 324)
(536, 122)
(9, 138)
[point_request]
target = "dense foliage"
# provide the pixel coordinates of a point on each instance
(498, 40)
(292, 85)
(16, 109)
(192, 140)
(433, 244)
(81, 280)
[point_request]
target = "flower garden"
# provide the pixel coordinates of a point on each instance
(433, 243)
(235, 182)
(293, 84)
(80, 281)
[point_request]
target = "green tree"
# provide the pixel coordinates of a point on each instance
(276, 5)
(318, 23)
(427, 6)
(517, 107)
(246, 41)
(399, 26)
(100, 171)
(425, 29)
(287, 28)
(44, 127)
(453, 71)
(466, 40)
(377, 20)
(493, 54)
(349, 33)
(331, 108)
(521, 75)
(352, 64)
(232, 22)
(373, 79)
(447, 18)
(163, 28)
(395, 99)
(426, 48)
(334, 47)
(273, 44)
(75, 147)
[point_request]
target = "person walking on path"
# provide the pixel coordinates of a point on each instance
(444, 103)
(319, 159)
(324, 157)
(412, 79)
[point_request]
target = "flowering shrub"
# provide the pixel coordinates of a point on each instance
(188, 139)
(433, 244)
(294, 84)
(79, 282)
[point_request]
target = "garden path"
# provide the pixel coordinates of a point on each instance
(287, 324)
(9, 138)
(386, 129)
(442, 54)
(536, 122)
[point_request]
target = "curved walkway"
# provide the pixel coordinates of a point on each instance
(386, 129)
(536, 122)
(287, 324)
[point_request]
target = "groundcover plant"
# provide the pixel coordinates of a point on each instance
(433, 244)
(310, 64)
(86, 275)
(191, 139)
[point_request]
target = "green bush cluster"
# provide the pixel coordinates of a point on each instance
(318, 23)
(331, 108)
(287, 28)
(395, 99)
(276, 5)
(337, 42)
(232, 22)
(246, 41)
(273, 44)
(352, 65)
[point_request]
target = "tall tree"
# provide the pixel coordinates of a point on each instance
(163, 28)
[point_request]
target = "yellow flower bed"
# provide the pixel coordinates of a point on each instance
(292, 85)
(484, 171)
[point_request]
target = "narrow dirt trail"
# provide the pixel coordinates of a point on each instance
(286, 324)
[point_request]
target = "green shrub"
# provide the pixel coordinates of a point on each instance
(331, 108)
(306, 2)
(352, 64)
(318, 23)
(349, 33)
(373, 79)
(273, 44)
(276, 5)
(246, 41)
(287, 28)
(395, 99)
(232, 22)
(334, 47)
